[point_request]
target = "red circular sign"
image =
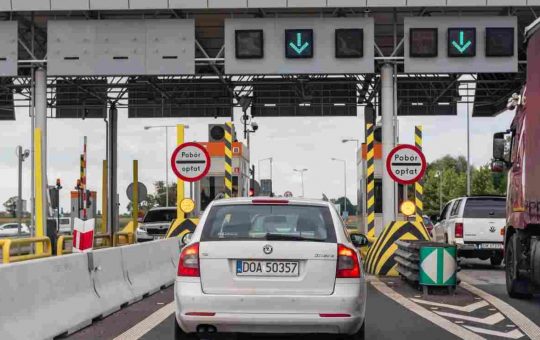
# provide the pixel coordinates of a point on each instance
(406, 164)
(190, 162)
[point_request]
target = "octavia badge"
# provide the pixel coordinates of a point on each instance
(268, 249)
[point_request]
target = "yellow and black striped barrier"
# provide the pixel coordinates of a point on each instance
(182, 227)
(370, 179)
(380, 258)
(228, 159)
(419, 186)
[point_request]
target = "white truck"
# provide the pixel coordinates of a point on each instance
(475, 225)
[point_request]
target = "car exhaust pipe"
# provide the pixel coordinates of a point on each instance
(202, 329)
(211, 329)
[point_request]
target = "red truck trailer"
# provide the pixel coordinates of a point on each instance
(518, 149)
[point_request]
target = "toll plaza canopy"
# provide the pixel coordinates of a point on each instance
(231, 54)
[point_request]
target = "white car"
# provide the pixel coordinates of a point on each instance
(12, 229)
(274, 266)
(474, 224)
(155, 224)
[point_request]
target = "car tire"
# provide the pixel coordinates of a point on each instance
(496, 260)
(179, 334)
(360, 335)
(517, 288)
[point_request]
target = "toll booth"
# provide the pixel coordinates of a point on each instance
(401, 191)
(213, 185)
(76, 204)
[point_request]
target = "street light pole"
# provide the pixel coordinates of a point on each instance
(439, 175)
(21, 156)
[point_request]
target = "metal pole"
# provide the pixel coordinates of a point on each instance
(112, 173)
(19, 193)
(40, 95)
(468, 146)
(440, 192)
(345, 177)
(387, 94)
(302, 176)
(272, 179)
(166, 166)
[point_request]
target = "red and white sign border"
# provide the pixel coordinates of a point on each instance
(422, 159)
(183, 146)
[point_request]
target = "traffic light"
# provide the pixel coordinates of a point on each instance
(88, 198)
(349, 43)
(249, 44)
(299, 43)
(462, 42)
(423, 42)
(377, 134)
(251, 192)
(500, 42)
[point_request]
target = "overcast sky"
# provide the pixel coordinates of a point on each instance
(305, 142)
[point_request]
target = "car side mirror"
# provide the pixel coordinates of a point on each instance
(186, 238)
(499, 144)
(359, 240)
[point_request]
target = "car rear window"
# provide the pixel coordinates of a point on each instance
(485, 208)
(160, 216)
(244, 222)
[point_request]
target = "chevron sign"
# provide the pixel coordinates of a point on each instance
(438, 266)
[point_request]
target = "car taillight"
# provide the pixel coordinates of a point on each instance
(189, 261)
(459, 230)
(348, 265)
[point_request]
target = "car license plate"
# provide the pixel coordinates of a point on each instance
(491, 246)
(159, 237)
(267, 268)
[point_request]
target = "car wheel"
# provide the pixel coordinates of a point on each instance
(360, 335)
(517, 288)
(179, 334)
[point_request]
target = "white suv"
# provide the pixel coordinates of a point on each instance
(263, 265)
(474, 224)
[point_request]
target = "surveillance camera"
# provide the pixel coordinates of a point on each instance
(254, 126)
(26, 153)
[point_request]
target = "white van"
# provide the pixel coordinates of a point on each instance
(474, 224)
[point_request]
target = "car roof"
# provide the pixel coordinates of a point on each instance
(270, 200)
(162, 208)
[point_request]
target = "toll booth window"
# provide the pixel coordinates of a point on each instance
(349, 43)
(249, 44)
(212, 186)
(378, 196)
(424, 42)
(500, 41)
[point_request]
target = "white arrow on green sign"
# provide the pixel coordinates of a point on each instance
(438, 266)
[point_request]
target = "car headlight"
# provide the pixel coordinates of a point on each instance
(141, 230)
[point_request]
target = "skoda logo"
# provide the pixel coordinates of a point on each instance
(268, 249)
(492, 229)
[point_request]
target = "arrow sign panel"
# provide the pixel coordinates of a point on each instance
(462, 42)
(299, 43)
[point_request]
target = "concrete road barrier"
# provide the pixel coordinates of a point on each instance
(45, 298)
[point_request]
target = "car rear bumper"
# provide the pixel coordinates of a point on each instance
(474, 250)
(271, 313)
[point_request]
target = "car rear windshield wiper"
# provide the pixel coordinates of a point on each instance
(278, 237)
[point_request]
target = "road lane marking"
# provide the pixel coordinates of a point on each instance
(145, 326)
(514, 334)
(466, 309)
(531, 329)
(490, 320)
(426, 314)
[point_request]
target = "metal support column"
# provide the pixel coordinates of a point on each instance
(40, 140)
(112, 173)
(388, 138)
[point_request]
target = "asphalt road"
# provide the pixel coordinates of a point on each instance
(388, 317)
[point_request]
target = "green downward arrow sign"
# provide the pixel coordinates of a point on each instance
(299, 47)
(463, 45)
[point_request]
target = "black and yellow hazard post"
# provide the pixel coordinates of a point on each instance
(419, 186)
(370, 180)
(228, 159)
(182, 225)
(380, 258)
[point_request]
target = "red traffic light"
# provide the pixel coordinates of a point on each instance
(58, 182)
(251, 192)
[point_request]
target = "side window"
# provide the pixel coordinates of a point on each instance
(455, 208)
(445, 211)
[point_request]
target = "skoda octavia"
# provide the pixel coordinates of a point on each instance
(270, 266)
